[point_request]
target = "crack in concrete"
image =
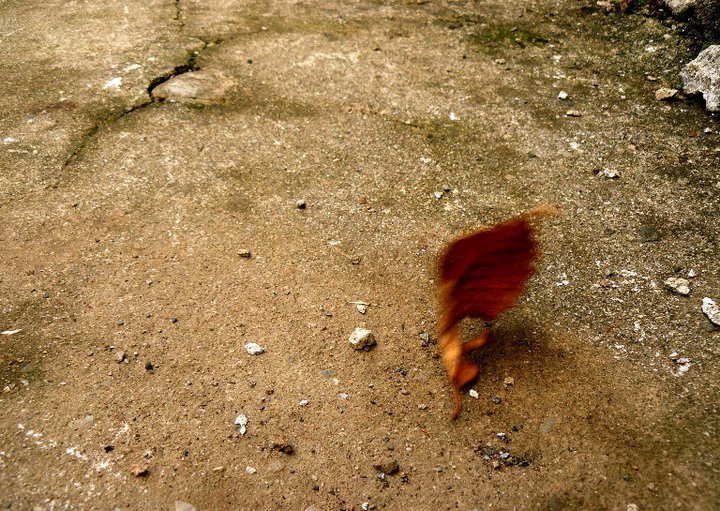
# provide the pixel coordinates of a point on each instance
(189, 66)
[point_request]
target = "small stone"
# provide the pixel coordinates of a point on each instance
(632, 507)
(474, 393)
(361, 308)
(711, 310)
(90, 352)
(665, 94)
(500, 61)
(678, 285)
(563, 95)
(438, 195)
(674, 355)
(422, 406)
(304, 402)
(241, 421)
(250, 470)
(362, 339)
(503, 437)
(343, 395)
(120, 357)
(173, 320)
(573, 113)
(149, 366)
(609, 174)
(509, 381)
(254, 348)
(243, 252)
(389, 468)
(404, 391)
(140, 471)
(198, 87)
(301, 204)
(692, 273)
(496, 400)
(183, 506)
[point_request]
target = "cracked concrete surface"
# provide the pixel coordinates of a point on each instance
(122, 221)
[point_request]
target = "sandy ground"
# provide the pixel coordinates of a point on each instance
(123, 220)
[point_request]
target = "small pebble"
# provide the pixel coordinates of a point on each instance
(361, 308)
(343, 395)
(665, 94)
(140, 471)
(509, 381)
(120, 357)
(474, 393)
(243, 252)
(362, 339)
(692, 273)
(149, 366)
(250, 470)
(304, 402)
(678, 285)
(496, 400)
(254, 348)
(609, 174)
(438, 195)
(422, 406)
(241, 421)
(301, 204)
(573, 113)
(388, 468)
(563, 95)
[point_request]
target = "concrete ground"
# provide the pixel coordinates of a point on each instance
(146, 145)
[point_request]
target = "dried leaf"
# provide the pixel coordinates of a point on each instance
(481, 276)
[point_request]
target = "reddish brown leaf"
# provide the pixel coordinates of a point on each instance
(481, 276)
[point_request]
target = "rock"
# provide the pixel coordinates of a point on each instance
(438, 195)
(196, 87)
(678, 285)
(254, 348)
(301, 204)
(304, 402)
(509, 381)
(609, 174)
(243, 252)
(183, 506)
(692, 273)
(711, 310)
(362, 339)
(474, 393)
(702, 75)
(679, 8)
(496, 400)
(389, 468)
(665, 94)
(241, 421)
(343, 395)
(563, 95)
(361, 308)
(573, 113)
(631, 507)
(425, 338)
(120, 357)
(250, 470)
(140, 471)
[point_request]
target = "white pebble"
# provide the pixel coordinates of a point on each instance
(241, 422)
(250, 470)
(474, 393)
(254, 348)
(563, 95)
(711, 310)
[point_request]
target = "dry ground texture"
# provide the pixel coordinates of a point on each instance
(123, 218)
